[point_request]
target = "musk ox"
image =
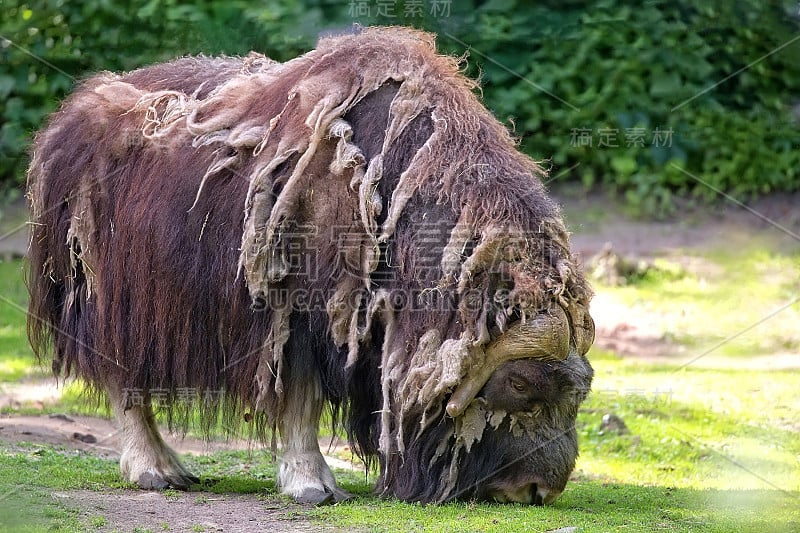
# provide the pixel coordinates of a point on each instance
(254, 241)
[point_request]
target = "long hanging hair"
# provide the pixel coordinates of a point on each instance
(173, 205)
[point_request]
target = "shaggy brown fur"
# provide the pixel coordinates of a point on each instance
(180, 210)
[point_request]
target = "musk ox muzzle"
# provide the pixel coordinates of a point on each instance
(256, 241)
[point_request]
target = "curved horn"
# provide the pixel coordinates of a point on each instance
(545, 338)
(582, 327)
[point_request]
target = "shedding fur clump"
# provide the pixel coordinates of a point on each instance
(79, 242)
(434, 369)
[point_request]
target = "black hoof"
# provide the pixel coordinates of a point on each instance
(340, 496)
(315, 497)
(150, 481)
(182, 482)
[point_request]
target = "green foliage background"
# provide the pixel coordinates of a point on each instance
(718, 78)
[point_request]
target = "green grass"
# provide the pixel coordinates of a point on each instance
(589, 506)
(29, 473)
(694, 429)
(708, 449)
(15, 352)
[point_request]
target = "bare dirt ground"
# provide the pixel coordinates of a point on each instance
(594, 221)
(126, 510)
(96, 435)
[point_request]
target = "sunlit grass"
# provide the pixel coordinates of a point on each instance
(694, 428)
(16, 357)
(14, 368)
(28, 475)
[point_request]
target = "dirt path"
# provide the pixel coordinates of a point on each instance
(129, 510)
(96, 435)
(14, 234)
(771, 222)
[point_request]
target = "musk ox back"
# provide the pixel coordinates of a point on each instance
(256, 240)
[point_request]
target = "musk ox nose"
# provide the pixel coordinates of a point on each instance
(530, 493)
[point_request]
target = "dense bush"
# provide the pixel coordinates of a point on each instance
(623, 67)
(46, 46)
(650, 99)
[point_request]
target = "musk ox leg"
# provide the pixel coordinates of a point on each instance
(146, 459)
(303, 474)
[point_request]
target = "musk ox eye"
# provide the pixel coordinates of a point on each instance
(518, 385)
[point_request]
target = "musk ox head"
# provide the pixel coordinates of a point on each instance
(353, 218)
